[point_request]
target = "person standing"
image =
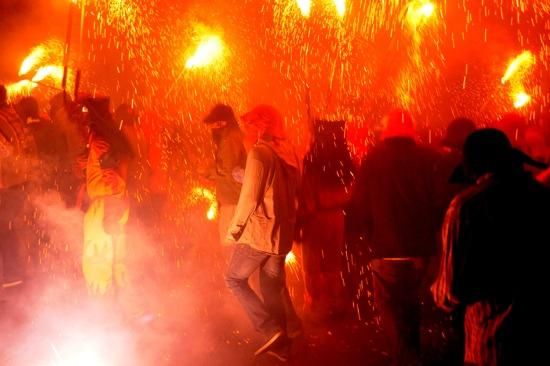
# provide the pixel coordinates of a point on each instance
(263, 228)
(493, 238)
(230, 158)
(394, 203)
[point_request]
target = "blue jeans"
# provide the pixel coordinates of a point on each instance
(270, 315)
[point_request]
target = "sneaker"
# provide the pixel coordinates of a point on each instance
(271, 341)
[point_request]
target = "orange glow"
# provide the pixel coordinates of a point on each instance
(33, 59)
(521, 99)
(49, 71)
(305, 7)
(208, 51)
(292, 264)
(22, 87)
(522, 61)
(419, 11)
(340, 7)
(207, 194)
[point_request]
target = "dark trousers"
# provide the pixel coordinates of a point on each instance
(270, 315)
(397, 295)
(12, 201)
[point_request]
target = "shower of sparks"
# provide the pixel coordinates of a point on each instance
(209, 50)
(210, 197)
(518, 65)
(305, 7)
(521, 99)
(419, 11)
(340, 7)
(33, 59)
(292, 263)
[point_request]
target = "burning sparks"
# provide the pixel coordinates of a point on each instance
(340, 7)
(49, 71)
(305, 7)
(207, 194)
(292, 263)
(208, 51)
(521, 62)
(419, 11)
(515, 72)
(521, 99)
(33, 59)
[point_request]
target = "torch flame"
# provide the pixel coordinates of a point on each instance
(340, 7)
(207, 194)
(305, 7)
(418, 11)
(522, 61)
(206, 53)
(36, 56)
(52, 71)
(521, 99)
(22, 87)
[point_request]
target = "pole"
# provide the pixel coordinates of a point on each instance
(67, 52)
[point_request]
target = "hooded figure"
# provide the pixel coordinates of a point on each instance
(394, 205)
(230, 159)
(326, 190)
(106, 185)
(263, 229)
(494, 237)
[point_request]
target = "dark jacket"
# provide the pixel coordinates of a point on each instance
(494, 261)
(394, 199)
(230, 155)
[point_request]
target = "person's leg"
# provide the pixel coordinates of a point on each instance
(397, 302)
(243, 263)
(273, 287)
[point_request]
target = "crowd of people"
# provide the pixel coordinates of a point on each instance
(464, 219)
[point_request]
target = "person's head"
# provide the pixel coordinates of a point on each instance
(220, 116)
(457, 132)
(3, 96)
(262, 122)
(398, 124)
(489, 151)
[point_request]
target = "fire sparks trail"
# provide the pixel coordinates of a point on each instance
(49, 71)
(519, 63)
(305, 7)
(207, 52)
(521, 99)
(292, 263)
(514, 75)
(33, 59)
(340, 7)
(207, 194)
(419, 11)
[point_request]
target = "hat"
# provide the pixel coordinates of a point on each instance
(398, 123)
(220, 112)
(266, 119)
(488, 150)
(457, 132)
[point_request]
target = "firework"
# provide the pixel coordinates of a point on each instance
(305, 7)
(518, 65)
(207, 52)
(33, 59)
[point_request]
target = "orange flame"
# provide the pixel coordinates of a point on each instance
(207, 194)
(522, 61)
(340, 7)
(49, 71)
(419, 11)
(305, 7)
(521, 99)
(209, 50)
(33, 59)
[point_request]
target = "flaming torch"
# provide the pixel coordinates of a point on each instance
(292, 263)
(305, 7)
(340, 7)
(209, 50)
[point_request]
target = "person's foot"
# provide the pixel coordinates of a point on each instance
(271, 342)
